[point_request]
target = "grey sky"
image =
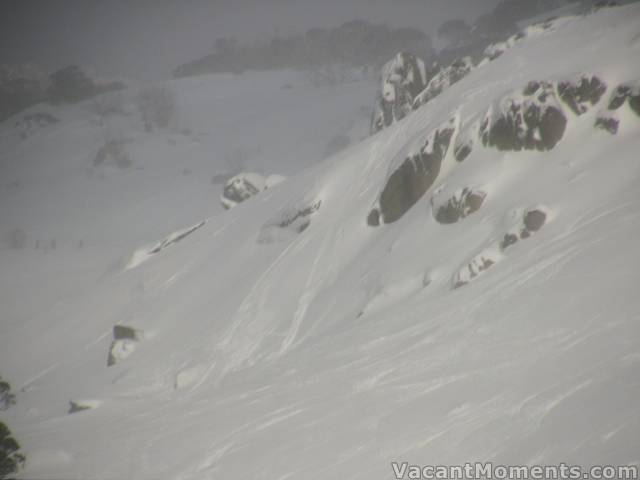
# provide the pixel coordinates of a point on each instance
(147, 38)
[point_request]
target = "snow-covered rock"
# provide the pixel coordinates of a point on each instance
(444, 79)
(246, 185)
(402, 78)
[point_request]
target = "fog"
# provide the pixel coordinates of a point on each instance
(147, 39)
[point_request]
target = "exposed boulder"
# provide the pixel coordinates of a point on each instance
(403, 78)
(124, 343)
(411, 180)
(531, 121)
(532, 221)
(626, 93)
(246, 185)
(442, 80)
(583, 94)
(459, 206)
(623, 95)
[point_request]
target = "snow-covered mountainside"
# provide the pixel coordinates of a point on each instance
(459, 287)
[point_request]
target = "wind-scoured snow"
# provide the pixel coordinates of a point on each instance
(287, 338)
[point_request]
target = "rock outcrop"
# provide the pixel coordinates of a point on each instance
(403, 78)
(623, 95)
(411, 180)
(289, 222)
(532, 120)
(580, 96)
(459, 206)
(246, 185)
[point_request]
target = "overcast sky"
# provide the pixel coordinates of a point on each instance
(146, 39)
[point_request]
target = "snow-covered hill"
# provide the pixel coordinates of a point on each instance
(460, 287)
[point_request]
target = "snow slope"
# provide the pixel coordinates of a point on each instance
(286, 338)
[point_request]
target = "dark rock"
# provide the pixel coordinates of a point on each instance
(460, 206)
(75, 407)
(578, 96)
(624, 93)
(124, 340)
(171, 240)
(608, 124)
(534, 220)
(373, 219)
(287, 223)
(461, 152)
(508, 240)
(619, 96)
(120, 332)
(414, 177)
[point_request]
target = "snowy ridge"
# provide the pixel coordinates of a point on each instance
(294, 337)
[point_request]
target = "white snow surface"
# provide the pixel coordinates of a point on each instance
(332, 351)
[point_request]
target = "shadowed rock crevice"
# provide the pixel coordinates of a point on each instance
(411, 180)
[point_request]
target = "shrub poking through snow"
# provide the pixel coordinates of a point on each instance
(11, 459)
(7, 399)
